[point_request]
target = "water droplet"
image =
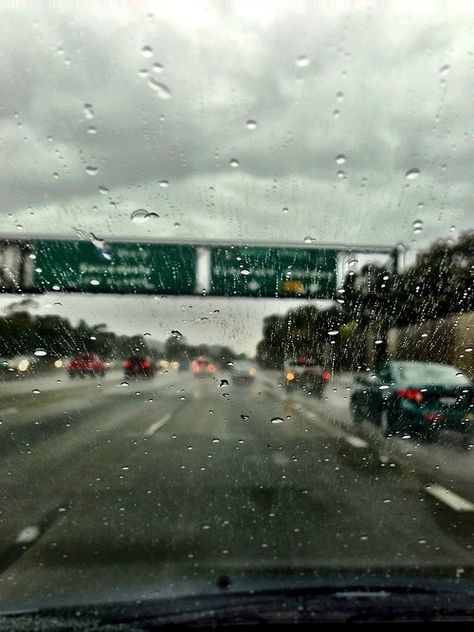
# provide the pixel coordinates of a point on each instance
(302, 61)
(56, 175)
(36, 391)
(336, 113)
(224, 383)
(468, 349)
(244, 417)
(333, 332)
(444, 69)
(19, 227)
(340, 174)
(92, 130)
(164, 184)
(277, 420)
(176, 334)
(309, 240)
(378, 341)
(234, 163)
(215, 440)
(92, 171)
(161, 90)
(95, 282)
(285, 209)
(245, 272)
(341, 159)
(143, 72)
(147, 333)
(340, 97)
(251, 124)
(417, 226)
(147, 51)
(103, 190)
(88, 111)
(28, 535)
(125, 468)
(139, 216)
(158, 68)
(152, 215)
(412, 174)
(56, 288)
(125, 384)
(40, 352)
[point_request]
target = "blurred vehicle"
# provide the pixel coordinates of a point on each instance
(138, 366)
(202, 367)
(18, 365)
(244, 371)
(423, 398)
(86, 364)
(305, 373)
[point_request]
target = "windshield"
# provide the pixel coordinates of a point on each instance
(426, 373)
(219, 219)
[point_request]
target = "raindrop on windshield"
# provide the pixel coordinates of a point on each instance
(161, 90)
(56, 175)
(336, 113)
(164, 184)
(417, 226)
(302, 61)
(147, 51)
(139, 216)
(224, 383)
(251, 124)
(285, 209)
(277, 420)
(215, 440)
(244, 417)
(94, 282)
(92, 130)
(103, 190)
(88, 111)
(147, 333)
(157, 67)
(40, 352)
(412, 174)
(340, 97)
(36, 391)
(444, 69)
(309, 240)
(333, 332)
(124, 384)
(92, 171)
(341, 174)
(341, 159)
(245, 272)
(234, 162)
(176, 334)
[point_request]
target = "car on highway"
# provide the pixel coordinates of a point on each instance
(18, 365)
(419, 398)
(138, 366)
(85, 364)
(203, 367)
(306, 373)
(244, 371)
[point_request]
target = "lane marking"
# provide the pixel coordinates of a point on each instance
(450, 498)
(9, 411)
(356, 442)
(157, 425)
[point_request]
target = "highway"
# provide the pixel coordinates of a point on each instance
(108, 484)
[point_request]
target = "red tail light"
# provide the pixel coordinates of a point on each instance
(127, 364)
(326, 376)
(411, 394)
(146, 364)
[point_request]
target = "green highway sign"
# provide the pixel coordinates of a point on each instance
(92, 265)
(116, 267)
(273, 272)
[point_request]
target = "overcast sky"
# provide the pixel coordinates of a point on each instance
(125, 99)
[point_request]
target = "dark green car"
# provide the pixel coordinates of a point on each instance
(420, 398)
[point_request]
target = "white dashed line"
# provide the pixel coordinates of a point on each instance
(450, 498)
(157, 425)
(356, 442)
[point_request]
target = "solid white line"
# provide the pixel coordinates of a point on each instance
(157, 425)
(450, 498)
(356, 442)
(9, 411)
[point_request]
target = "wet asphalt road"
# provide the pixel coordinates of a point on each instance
(105, 486)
